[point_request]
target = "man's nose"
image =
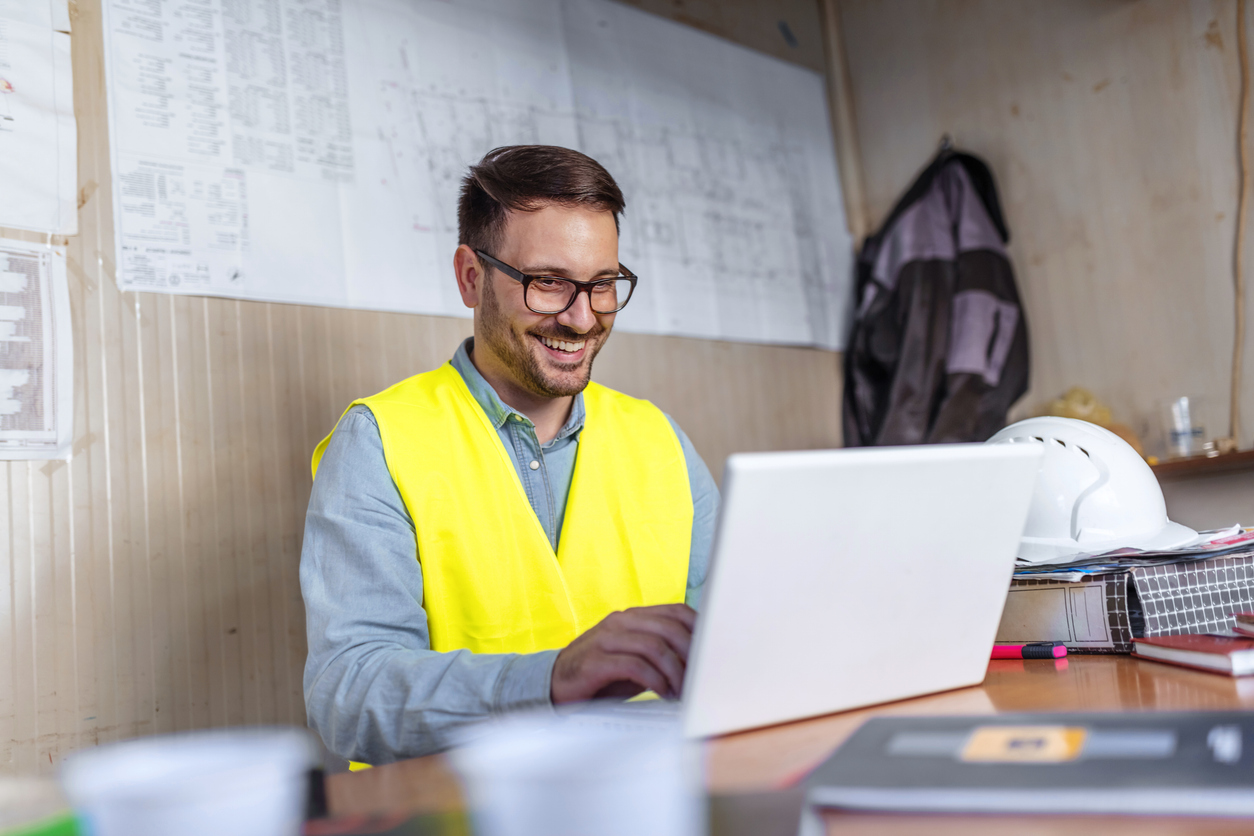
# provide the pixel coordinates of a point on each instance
(579, 316)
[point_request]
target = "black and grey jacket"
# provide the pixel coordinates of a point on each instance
(939, 348)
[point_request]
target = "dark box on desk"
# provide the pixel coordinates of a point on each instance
(1103, 613)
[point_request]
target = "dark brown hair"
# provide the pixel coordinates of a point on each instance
(524, 178)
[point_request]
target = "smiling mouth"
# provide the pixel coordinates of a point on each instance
(563, 346)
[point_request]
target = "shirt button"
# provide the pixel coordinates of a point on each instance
(534, 465)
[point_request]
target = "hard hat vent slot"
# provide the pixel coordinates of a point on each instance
(1097, 496)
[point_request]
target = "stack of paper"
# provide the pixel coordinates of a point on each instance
(1209, 544)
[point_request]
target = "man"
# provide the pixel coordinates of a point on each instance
(499, 533)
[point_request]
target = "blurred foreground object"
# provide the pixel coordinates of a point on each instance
(536, 775)
(1180, 763)
(242, 782)
(34, 807)
(1094, 493)
(939, 348)
(1083, 405)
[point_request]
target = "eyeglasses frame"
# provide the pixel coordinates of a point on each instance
(580, 287)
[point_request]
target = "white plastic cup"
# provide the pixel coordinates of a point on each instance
(1184, 426)
(536, 776)
(245, 782)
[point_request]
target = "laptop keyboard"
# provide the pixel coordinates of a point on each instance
(637, 715)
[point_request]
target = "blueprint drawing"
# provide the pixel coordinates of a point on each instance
(311, 151)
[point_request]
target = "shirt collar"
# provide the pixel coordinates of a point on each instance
(497, 410)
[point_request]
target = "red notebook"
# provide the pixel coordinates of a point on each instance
(1217, 654)
(1245, 623)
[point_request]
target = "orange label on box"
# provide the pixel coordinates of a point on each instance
(1023, 744)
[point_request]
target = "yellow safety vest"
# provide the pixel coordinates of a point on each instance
(491, 581)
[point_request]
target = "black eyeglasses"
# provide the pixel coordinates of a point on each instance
(552, 295)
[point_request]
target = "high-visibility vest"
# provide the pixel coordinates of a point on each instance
(491, 580)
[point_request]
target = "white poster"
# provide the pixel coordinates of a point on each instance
(38, 141)
(36, 353)
(728, 159)
(311, 151)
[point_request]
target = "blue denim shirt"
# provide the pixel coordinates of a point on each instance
(374, 689)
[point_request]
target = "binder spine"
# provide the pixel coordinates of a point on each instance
(1104, 613)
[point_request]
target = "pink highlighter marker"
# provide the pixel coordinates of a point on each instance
(1032, 650)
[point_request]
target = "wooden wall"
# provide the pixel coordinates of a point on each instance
(150, 583)
(1111, 126)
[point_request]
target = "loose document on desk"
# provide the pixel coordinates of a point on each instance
(38, 140)
(36, 357)
(311, 151)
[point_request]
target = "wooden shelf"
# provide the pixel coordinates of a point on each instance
(1205, 465)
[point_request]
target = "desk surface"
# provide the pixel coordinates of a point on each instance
(775, 757)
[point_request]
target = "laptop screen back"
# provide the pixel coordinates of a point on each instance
(844, 578)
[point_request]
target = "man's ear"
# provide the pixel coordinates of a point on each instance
(470, 275)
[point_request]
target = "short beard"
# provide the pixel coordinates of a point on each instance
(514, 353)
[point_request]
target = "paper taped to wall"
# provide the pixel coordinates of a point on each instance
(38, 140)
(311, 151)
(36, 353)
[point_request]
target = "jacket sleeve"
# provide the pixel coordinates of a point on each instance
(986, 360)
(924, 294)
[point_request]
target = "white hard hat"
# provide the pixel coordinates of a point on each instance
(1093, 494)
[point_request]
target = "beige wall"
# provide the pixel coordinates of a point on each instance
(150, 583)
(1215, 501)
(1110, 125)
(757, 24)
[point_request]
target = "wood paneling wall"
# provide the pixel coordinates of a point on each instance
(149, 584)
(1111, 126)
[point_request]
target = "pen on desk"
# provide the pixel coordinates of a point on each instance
(1031, 650)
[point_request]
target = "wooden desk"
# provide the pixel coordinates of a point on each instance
(776, 757)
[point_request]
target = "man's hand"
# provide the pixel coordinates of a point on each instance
(641, 649)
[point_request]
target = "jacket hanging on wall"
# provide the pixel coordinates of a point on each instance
(939, 348)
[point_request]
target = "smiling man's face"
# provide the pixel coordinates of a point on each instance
(548, 355)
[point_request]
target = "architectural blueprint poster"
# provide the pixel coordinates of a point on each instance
(311, 151)
(36, 358)
(38, 140)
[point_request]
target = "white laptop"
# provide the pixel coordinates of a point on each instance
(844, 578)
